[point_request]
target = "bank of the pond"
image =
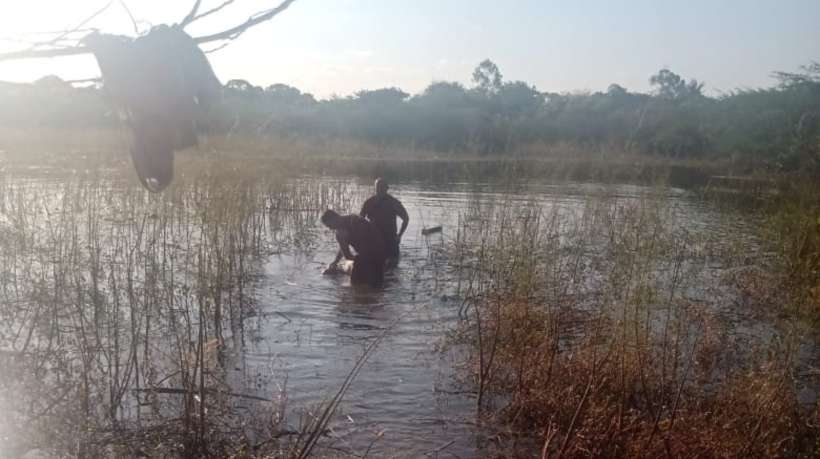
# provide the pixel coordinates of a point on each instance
(54, 151)
(453, 168)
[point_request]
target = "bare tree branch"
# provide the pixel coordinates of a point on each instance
(191, 17)
(229, 34)
(131, 16)
(213, 10)
(43, 53)
(66, 33)
(233, 33)
(57, 32)
(223, 45)
(53, 43)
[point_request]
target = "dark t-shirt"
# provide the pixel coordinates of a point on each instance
(383, 210)
(363, 237)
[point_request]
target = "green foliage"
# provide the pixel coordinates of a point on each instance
(487, 77)
(777, 127)
(672, 86)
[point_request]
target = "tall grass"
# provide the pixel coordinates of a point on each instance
(616, 328)
(40, 152)
(118, 308)
(794, 230)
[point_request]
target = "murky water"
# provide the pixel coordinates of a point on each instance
(307, 331)
(316, 327)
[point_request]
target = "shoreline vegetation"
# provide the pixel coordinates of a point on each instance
(34, 151)
(607, 334)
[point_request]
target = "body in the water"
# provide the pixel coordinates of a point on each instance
(353, 231)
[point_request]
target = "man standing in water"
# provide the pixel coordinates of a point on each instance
(354, 231)
(382, 209)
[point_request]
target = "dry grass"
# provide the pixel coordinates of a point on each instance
(40, 152)
(608, 330)
(118, 307)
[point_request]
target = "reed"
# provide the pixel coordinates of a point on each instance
(616, 328)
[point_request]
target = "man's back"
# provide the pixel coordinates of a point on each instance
(383, 210)
(363, 236)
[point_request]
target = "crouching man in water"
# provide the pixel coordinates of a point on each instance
(382, 209)
(354, 231)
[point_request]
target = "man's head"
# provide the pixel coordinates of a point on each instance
(381, 186)
(331, 219)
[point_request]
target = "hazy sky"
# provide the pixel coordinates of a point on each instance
(341, 46)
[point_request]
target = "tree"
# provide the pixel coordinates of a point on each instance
(520, 99)
(243, 88)
(444, 93)
(175, 85)
(288, 95)
(70, 42)
(385, 97)
(809, 75)
(487, 78)
(672, 86)
(616, 91)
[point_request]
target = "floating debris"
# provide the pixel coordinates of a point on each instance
(431, 230)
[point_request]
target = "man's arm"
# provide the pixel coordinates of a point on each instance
(339, 256)
(405, 219)
(366, 208)
(344, 245)
(344, 248)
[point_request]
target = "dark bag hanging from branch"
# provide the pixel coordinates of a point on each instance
(160, 82)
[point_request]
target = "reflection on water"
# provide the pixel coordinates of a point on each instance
(298, 334)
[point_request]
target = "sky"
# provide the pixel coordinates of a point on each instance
(337, 47)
